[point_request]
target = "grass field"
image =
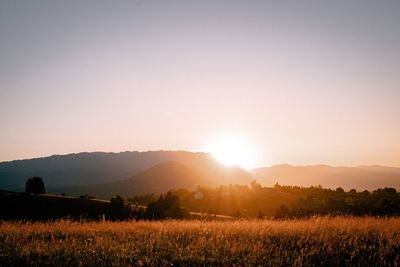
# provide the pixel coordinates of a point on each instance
(338, 241)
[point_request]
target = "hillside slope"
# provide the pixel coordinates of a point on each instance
(21, 206)
(163, 177)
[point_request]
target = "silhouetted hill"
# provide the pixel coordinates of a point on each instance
(131, 173)
(21, 206)
(362, 177)
(89, 168)
(165, 176)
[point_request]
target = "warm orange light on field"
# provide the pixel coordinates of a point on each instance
(232, 150)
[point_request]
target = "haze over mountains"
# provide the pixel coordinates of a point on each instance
(165, 176)
(360, 177)
(86, 168)
(74, 173)
(132, 173)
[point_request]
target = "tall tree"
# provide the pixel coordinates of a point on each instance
(35, 185)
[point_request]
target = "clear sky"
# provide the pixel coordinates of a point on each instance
(303, 82)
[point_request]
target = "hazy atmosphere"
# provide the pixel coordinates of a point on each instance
(199, 133)
(301, 84)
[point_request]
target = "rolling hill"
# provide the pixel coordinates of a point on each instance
(163, 177)
(23, 206)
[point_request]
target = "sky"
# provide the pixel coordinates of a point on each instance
(302, 82)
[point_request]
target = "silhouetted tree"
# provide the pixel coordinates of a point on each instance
(120, 208)
(35, 185)
(339, 190)
(166, 207)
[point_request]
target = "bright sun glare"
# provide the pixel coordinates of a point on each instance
(232, 150)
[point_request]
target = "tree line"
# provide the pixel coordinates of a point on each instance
(255, 201)
(247, 201)
(322, 201)
(165, 207)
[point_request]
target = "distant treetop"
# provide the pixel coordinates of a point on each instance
(35, 185)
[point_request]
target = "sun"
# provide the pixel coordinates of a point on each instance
(232, 150)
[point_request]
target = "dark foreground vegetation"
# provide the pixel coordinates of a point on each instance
(43, 207)
(24, 206)
(255, 201)
(127, 232)
(318, 241)
(238, 201)
(321, 201)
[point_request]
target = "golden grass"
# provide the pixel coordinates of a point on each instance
(337, 241)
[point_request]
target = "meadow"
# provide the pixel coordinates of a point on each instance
(319, 241)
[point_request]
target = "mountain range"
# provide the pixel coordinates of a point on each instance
(133, 173)
(87, 168)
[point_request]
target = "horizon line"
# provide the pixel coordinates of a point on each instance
(197, 151)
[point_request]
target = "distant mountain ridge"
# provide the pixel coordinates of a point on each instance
(129, 173)
(82, 169)
(88, 168)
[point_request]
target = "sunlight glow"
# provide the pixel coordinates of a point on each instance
(232, 150)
